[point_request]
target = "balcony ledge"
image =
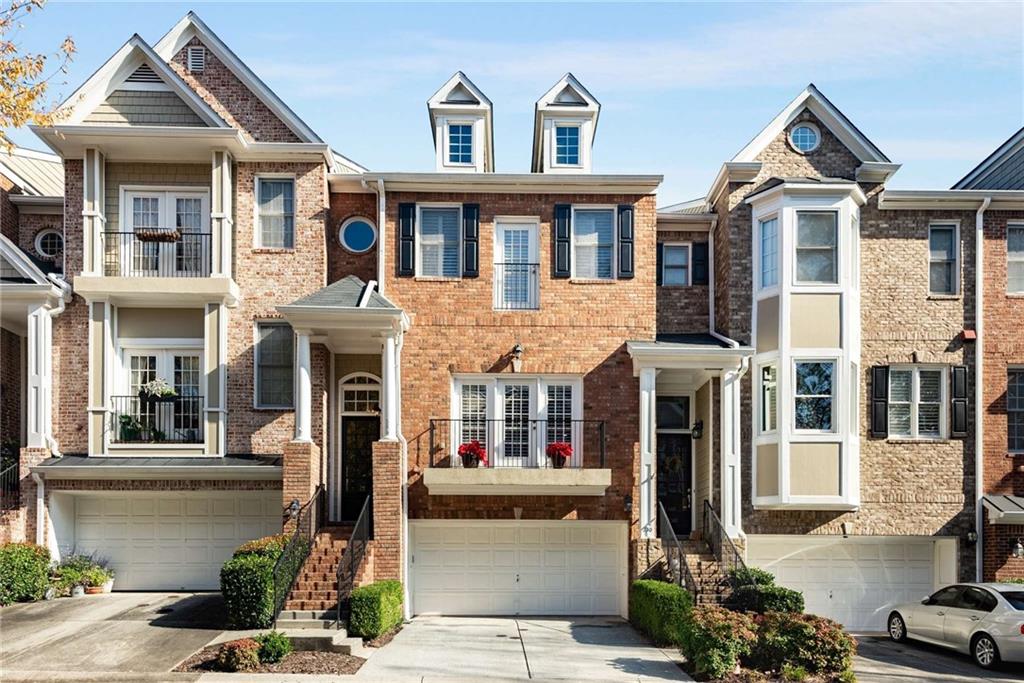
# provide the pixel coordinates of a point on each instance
(147, 290)
(513, 481)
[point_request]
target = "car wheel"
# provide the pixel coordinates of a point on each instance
(897, 627)
(984, 651)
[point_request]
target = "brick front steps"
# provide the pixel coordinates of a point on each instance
(712, 583)
(316, 590)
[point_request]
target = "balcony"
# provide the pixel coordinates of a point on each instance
(156, 252)
(516, 286)
(516, 458)
(135, 420)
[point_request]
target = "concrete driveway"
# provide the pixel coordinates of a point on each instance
(510, 649)
(137, 636)
(879, 660)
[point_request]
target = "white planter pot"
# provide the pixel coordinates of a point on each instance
(108, 586)
(77, 591)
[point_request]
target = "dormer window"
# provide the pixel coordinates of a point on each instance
(567, 145)
(460, 143)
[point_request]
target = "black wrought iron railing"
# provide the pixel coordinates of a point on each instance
(519, 443)
(145, 420)
(157, 252)
(675, 559)
(721, 546)
(351, 559)
(10, 487)
(517, 286)
(307, 522)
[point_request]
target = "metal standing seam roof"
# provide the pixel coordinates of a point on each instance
(1006, 504)
(36, 173)
(692, 207)
(345, 293)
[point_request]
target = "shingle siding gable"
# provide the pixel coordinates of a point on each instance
(143, 108)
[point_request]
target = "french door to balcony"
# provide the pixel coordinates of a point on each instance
(164, 234)
(139, 418)
(516, 267)
(515, 442)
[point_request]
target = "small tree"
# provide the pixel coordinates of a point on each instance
(23, 75)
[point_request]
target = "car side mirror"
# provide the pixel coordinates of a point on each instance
(926, 601)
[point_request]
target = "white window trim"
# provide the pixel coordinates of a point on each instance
(1010, 225)
(915, 400)
(532, 222)
(808, 285)
(800, 124)
(777, 217)
(615, 241)
(257, 231)
(689, 262)
(448, 143)
(956, 256)
(166, 193)
(419, 239)
(762, 405)
(555, 125)
(1009, 369)
(836, 383)
(353, 219)
(256, 365)
(37, 242)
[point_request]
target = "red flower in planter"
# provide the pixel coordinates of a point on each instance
(473, 453)
(559, 452)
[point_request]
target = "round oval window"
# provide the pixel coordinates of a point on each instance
(805, 138)
(358, 235)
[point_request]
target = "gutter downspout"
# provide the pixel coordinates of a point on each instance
(404, 450)
(711, 289)
(381, 217)
(979, 412)
(40, 500)
(65, 289)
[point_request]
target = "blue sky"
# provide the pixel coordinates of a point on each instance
(683, 86)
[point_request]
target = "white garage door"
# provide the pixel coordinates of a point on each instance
(853, 580)
(172, 541)
(527, 567)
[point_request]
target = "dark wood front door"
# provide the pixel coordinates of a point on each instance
(357, 437)
(675, 481)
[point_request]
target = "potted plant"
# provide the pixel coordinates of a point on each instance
(559, 452)
(94, 579)
(131, 429)
(472, 454)
(157, 391)
(157, 235)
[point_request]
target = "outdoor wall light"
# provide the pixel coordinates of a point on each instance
(972, 537)
(628, 503)
(1018, 549)
(517, 357)
(697, 430)
(293, 508)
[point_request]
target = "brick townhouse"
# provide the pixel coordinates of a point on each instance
(786, 369)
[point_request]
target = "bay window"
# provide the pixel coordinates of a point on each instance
(769, 252)
(817, 248)
(769, 398)
(814, 395)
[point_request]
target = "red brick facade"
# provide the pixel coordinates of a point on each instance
(340, 261)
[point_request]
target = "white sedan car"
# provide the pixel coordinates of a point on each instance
(985, 620)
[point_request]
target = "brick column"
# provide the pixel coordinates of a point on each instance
(29, 458)
(388, 474)
(301, 472)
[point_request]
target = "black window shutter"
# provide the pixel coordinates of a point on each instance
(562, 266)
(406, 240)
(470, 240)
(625, 242)
(880, 401)
(659, 261)
(700, 263)
(958, 428)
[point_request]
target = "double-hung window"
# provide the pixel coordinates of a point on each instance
(769, 252)
(275, 365)
(769, 398)
(814, 396)
(817, 247)
(942, 259)
(460, 143)
(567, 145)
(675, 267)
(1015, 259)
(1015, 410)
(439, 249)
(594, 243)
(916, 402)
(275, 206)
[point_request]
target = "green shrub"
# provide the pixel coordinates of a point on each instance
(375, 609)
(239, 655)
(659, 609)
(751, 576)
(274, 646)
(761, 599)
(1013, 580)
(715, 639)
(24, 572)
(794, 673)
(247, 584)
(802, 641)
(269, 546)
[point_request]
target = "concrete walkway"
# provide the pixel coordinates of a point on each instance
(509, 649)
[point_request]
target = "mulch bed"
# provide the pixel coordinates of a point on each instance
(384, 638)
(298, 662)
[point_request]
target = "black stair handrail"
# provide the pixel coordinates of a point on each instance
(289, 563)
(352, 557)
(721, 546)
(675, 558)
(10, 487)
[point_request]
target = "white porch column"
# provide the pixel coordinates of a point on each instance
(221, 214)
(389, 378)
(40, 376)
(303, 388)
(93, 213)
(730, 425)
(648, 446)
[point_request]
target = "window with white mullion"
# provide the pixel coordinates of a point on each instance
(769, 252)
(916, 398)
(942, 259)
(817, 242)
(1015, 410)
(438, 244)
(675, 268)
(472, 424)
(594, 243)
(1015, 259)
(276, 212)
(814, 395)
(769, 399)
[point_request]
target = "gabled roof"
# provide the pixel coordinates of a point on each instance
(1001, 170)
(812, 99)
(192, 26)
(689, 208)
(348, 292)
(26, 270)
(133, 54)
(37, 174)
(342, 164)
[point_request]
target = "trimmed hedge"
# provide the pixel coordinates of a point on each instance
(239, 655)
(268, 546)
(274, 646)
(762, 599)
(659, 610)
(247, 584)
(375, 609)
(751, 576)
(715, 639)
(24, 572)
(802, 641)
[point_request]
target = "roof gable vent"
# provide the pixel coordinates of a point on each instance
(144, 74)
(196, 58)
